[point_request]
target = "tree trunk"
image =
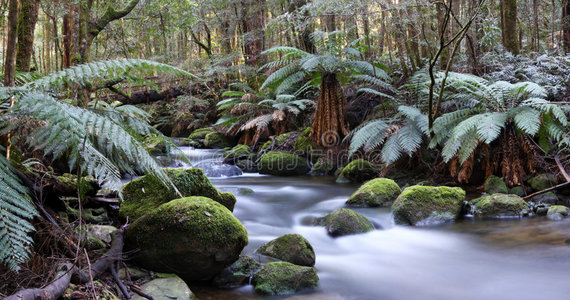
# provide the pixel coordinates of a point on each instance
(253, 29)
(10, 62)
(536, 32)
(509, 16)
(26, 25)
(443, 32)
(566, 26)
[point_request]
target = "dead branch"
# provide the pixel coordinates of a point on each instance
(51, 292)
(105, 262)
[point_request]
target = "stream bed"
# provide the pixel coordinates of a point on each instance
(471, 259)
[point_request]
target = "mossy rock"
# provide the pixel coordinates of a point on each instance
(193, 237)
(238, 274)
(517, 190)
(499, 205)
(92, 243)
(148, 192)
(359, 170)
(322, 167)
(166, 288)
(345, 221)
(236, 153)
(247, 165)
(67, 185)
(428, 205)
(374, 193)
(495, 184)
(88, 215)
(542, 181)
(216, 140)
(283, 278)
(546, 198)
(292, 248)
(558, 212)
(283, 164)
(201, 133)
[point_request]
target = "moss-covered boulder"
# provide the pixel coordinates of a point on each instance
(345, 221)
(374, 193)
(283, 164)
(292, 248)
(359, 170)
(322, 167)
(546, 198)
(201, 133)
(428, 205)
(166, 288)
(66, 185)
(558, 213)
(495, 184)
(283, 278)
(517, 190)
(499, 205)
(193, 237)
(216, 140)
(238, 274)
(247, 165)
(236, 153)
(148, 192)
(542, 181)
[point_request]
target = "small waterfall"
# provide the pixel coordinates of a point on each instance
(210, 160)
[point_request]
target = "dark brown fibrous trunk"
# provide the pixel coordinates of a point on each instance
(566, 26)
(329, 125)
(26, 25)
(10, 62)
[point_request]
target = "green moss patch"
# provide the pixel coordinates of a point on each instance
(495, 184)
(283, 278)
(283, 164)
(499, 205)
(374, 193)
(292, 248)
(345, 222)
(359, 170)
(428, 205)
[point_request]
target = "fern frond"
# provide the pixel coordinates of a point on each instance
(370, 135)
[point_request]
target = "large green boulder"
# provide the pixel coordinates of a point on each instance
(542, 181)
(283, 164)
(428, 205)
(495, 184)
(201, 133)
(558, 212)
(167, 288)
(238, 152)
(148, 192)
(374, 193)
(193, 237)
(238, 274)
(216, 140)
(359, 170)
(283, 278)
(499, 205)
(292, 248)
(345, 221)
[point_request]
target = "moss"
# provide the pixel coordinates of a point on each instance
(236, 153)
(306, 132)
(542, 182)
(495, 184)
(148, 192)
(238, 274)
(292, 248)
(428, 205)
(374, 193)
(558, 212)
(216, 140)
(322, 167)
(303, 144)
(546, 198)
(227, 199)
(266, 146)
(193, 237)
(358, 170)
(517, 190)
(499, 205)
(88, 215)
(283, 164)
(247, 165)
(345, 222)
(201, 133)
(92, 243)
(283, 278)
(67, 185)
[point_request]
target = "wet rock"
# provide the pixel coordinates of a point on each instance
(495, 184)
(283, 164)
(193, 237)
(102, 232)
(292, 248)
(216, 140)
(168, 288)
(132, 273)
(93, 243)
(517, 190)
(558, 212)
(359, 170)
(541, 209)
(201, 133)
(428, 205)
(499, 205)
(546, 198)
(247, 165)
(238, 274)
(542, 181)
(322, 167)
(283, 278)
(144, 194)
(238, 152)
(345, 221)
(66, 185)
(374, 193)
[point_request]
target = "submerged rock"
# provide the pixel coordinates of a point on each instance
(558, 213)
(495, 184)
(144, 194)
(546, 198)
(167, 288)
(193, 237)
(283, 164)
(499, 205)
(283, 278)
(292, 248)
(374, 193)
(428, 205)
(359, 170)
(238, 274)
(345, 221)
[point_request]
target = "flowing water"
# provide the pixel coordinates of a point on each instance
(471, 259)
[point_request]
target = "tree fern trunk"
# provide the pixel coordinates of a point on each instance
(329, 125)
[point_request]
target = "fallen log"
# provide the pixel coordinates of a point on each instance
(104, 263)
(547, 190)
(51, 292)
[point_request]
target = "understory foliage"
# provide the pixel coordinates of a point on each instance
(99, 140)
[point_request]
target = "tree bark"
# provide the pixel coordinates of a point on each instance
(253, 29)
(566, 26)
(509, 16)
(10, 62)
(26, 25)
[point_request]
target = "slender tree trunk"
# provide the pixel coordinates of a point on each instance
(566, 26)
(10, 61)
(26, 25)
(535, 5)
(254, 24)
(509, 15)
(443, 31)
